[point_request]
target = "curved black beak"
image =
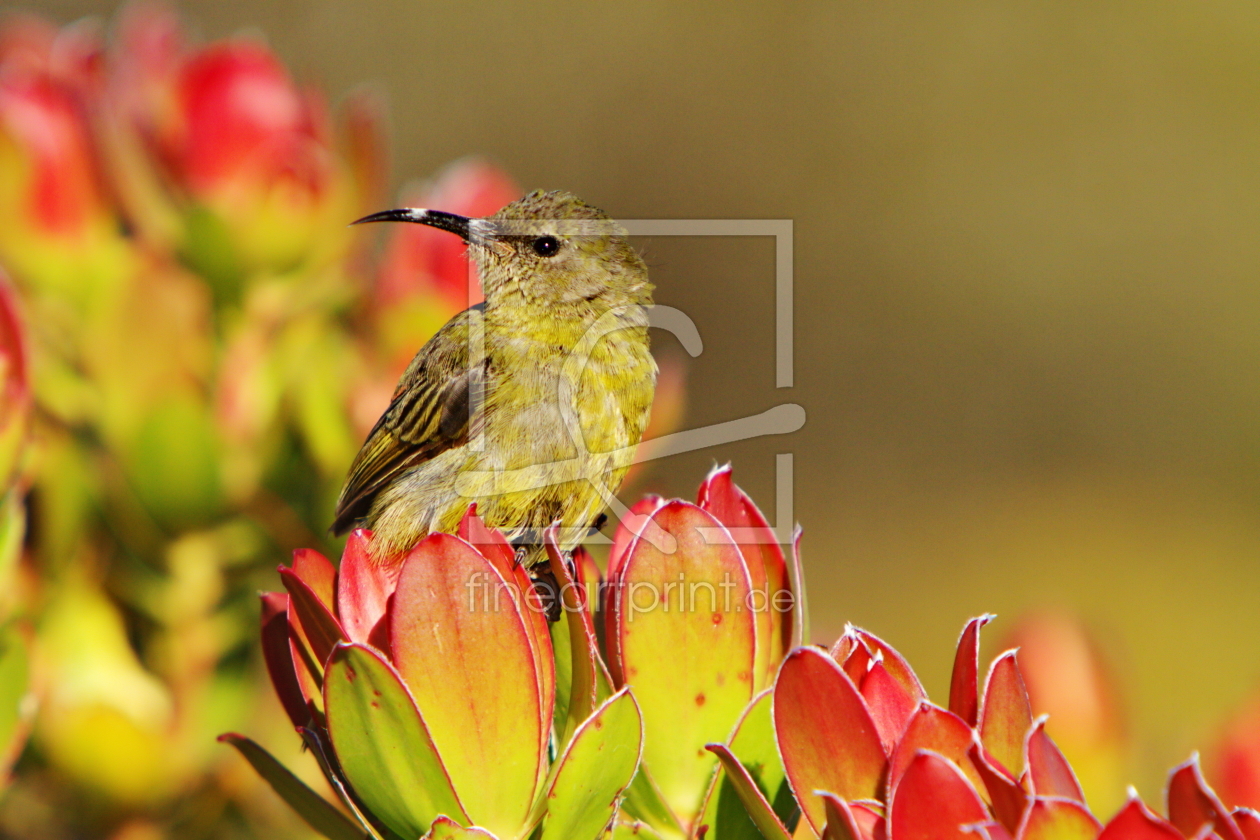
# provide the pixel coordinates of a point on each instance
(457, 225)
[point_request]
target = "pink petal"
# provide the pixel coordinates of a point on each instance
(278, 655)
(933, 728)
(1050, 818)
(1006, 714)
(1009, 798)
(850, 822)
(319, 626)
(826, 735)
(989, 831)
(896, 665)
(1192, 804)
(888, 702)
(628, 530)
(766, 564)
(363, 588)
(963, 691)
(1248, 822)
(859, 659)
(1137, 822)
(317, 572)
(934, 800)
(1048, 770)
(488, 541)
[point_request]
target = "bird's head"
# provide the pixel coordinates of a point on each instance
(545, 248)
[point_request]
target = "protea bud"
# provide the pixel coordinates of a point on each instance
(428, 693)
(699, 609)
(15, 389)
(867, 756)
(57, 228)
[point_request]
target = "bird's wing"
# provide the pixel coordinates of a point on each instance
(428, 415)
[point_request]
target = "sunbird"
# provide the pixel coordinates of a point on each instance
(529, 404)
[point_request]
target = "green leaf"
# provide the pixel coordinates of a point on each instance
(383, 744)
(597, 766)
(758, 807)
(17, 706)
(319, 813)
(317, 742)
(753, 746)
(562, 650)
(644, 801)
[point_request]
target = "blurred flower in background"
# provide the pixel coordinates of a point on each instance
(16, 698)
(208, 344)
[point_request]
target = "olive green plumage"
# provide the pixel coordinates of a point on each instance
(529, 404)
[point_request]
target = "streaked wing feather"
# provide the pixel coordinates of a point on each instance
(426, 418)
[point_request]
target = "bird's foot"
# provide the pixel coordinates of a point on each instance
(548, 592)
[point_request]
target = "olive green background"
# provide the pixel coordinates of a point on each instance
(1027, 282)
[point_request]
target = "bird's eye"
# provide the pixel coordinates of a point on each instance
(546, 246)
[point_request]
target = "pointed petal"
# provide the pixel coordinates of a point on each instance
(799, 625)
(759, 809)
(845, 647)
(488, 541)
(319, 626)
(860, 657)
(933, 728)
(1048, 770)
(628, 530)
(382, 743)
(363, 588)
(1007, 795)
(842, 823)
(989, 831)
(889, 704)
(895, 664)
(1137, 822)
(1006, 714)
(934, 799)
(278, 655)
(464, 651)
(1192, 804)
(319, 813)
(963, 685)
(767, 566)
(310, 672)
(595, 768)
(317, 572)
(687, 646)
(869, 817)
(826, 736)
(1052, 818)
(1248, 822)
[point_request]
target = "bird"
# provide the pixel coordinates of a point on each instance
(529, 404)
